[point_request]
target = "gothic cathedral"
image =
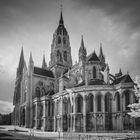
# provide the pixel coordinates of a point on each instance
(80, 97)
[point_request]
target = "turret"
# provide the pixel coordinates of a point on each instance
(102, 58)
(21, 63)
(82, 51)
(119, 74)
(31, 63)
(44, 64)
(101, 55)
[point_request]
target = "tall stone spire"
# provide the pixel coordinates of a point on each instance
(60, 47)
(82, 42)
(44, 65)
(101, 55)
(82, 51)
(31, 62)
(21, 61)
(61, 22)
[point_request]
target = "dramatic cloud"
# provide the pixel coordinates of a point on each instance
(5, 107)
(124, 10)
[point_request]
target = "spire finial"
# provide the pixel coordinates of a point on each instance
(101, 51)
(61, 22)
(100, 44)
(44, 65)
(31, 58)
(82, 41)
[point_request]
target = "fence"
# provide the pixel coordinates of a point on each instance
(76, 136)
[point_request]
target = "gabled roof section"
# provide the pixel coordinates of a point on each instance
(93, 57)
(43, 72)
(96, 82)
(123, 79)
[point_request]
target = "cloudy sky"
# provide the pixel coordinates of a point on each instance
(114, 23)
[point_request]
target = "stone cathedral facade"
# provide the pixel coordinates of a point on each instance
(80, 97)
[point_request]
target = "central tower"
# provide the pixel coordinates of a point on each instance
(60, 58)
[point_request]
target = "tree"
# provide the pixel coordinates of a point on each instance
(135, 107)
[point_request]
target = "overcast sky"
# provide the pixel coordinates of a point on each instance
(114, 23)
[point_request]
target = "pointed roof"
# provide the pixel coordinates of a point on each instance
(82, 47)
(119, 74)
(82, 42)
(123, 79)
(61, 28)
(61, 22)
(44, 65)
(43, 72)
(31, 59)
(101, 51)
(21, 61)
(120, 71)
(93, 57)
(101, 55)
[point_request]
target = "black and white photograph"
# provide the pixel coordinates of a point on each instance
(69, 70)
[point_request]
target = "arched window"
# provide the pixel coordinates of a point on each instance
(65, 106)
(37, 92)
(64, 40)
(59, 56)
(43, 91)
(52, 108)
(90, 102)
(49, 106)
(34, 110)
(99, 107)
(59, 40)
(65, 55)
(41, 110)
(127, 100)
(94, 72)
(118, 102)
(79, 104)
(108, 102)
(23, 113)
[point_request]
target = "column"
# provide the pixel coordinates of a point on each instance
(74, 113)
(95, 110)
(122, 108)
(36, 118)
(103, 110)
(44, 115)
(55, 101)
(61, 114)
(47, 127)
(114, 112)
(84, 113)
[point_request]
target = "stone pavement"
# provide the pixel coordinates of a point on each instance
(26, 133)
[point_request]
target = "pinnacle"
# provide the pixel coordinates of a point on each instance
(61, 22)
